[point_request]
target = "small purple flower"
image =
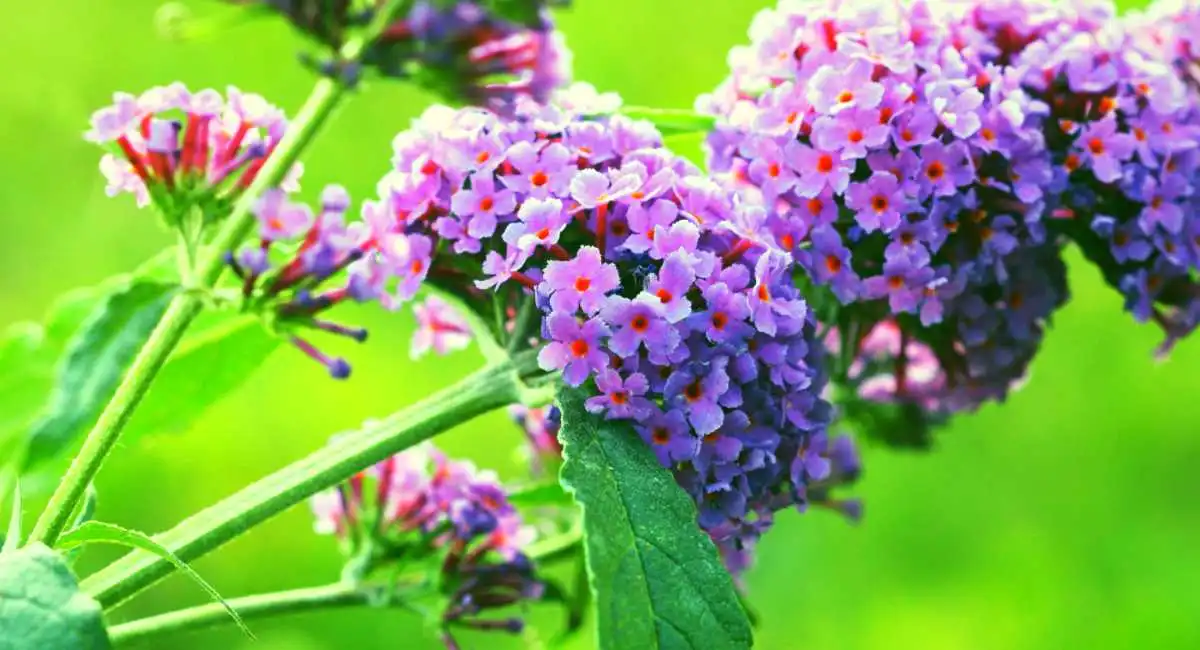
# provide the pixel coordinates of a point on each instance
(620, 397)
(682, 237)
(501, 268)
(540, 223)
(279, 218)
(643, 219)
(944, 169)
(671, 287)
(833, 90)
(543, 172)
(902, 283)
(768, 168)
(639, 323)
(914, 128)
(852, 133)
(1127, 242)
(1162, 204)
(581, 282)
(830, 264)
(1105, 148)
(767, 308)
(670, 437)
(957, 109)
(818, 170)
(574, 347)
(697, 391)
(592, 189)
(724, 320)
(877, 202)
(482, 205)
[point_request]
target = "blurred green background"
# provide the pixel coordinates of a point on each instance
(1067, 517)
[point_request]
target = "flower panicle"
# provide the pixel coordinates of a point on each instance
(184, 150)
(421, 504)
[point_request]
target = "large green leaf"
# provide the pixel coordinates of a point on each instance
(95, 362)
(657, 579)
(98, 532)
(41, 607)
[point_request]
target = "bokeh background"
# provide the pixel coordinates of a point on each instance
(1068, 517)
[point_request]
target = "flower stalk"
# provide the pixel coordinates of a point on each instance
(486, 390)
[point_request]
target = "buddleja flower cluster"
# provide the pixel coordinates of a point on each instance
(922, 160)
(421, 506)
(183, 150)
(646, 289)
(462, 49)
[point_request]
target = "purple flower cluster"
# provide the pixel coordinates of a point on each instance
(650, 280)
(462, 49)
(895, 160)
(419, 503)
(304, 263)
(181, 149)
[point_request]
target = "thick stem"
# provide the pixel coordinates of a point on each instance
(293, 601)
(185, 307)
(486, 390)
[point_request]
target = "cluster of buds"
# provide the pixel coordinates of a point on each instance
(185, 151)
(465, 50)
(419, 506)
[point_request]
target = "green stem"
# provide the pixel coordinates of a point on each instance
(187, 305)
(293, 601)
(249, 607)
(486, 390)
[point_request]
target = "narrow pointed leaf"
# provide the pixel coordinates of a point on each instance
(656, 577)
(98, 532)
(672, 121)
(41, 607)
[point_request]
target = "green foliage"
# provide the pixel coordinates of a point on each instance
(656, 577)
(536, 495)
(94, 363)
(97, 532)
(58, 375)
(41, 607)
(672, 122)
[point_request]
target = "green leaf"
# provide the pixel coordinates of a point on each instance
(41, 607)
(671, 121)
(207, 366)
(656, 577)
(97, 532)
(95, 362)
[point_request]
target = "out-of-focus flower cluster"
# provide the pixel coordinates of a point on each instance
(541, 426)
(421, 506)
(183, 150)
(464, 50)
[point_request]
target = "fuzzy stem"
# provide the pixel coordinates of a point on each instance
(186, 306)
(249, 607)
(488, 389)
(293, 601)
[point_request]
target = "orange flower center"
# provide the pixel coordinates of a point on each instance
(935, 171)
(1096, 146)
(579, 348)
(720, 320)
(845, 97)
(539, 179)
(664, 295)
(486, 203)
(879, 203)
(582, 284)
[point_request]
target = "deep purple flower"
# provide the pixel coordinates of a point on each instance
(1106, 148)
(669, 435)
(902, 283)
(697, 392)
(944, 169)
(640, 323)
(620, 397)
(830, 263)
(878, 202)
